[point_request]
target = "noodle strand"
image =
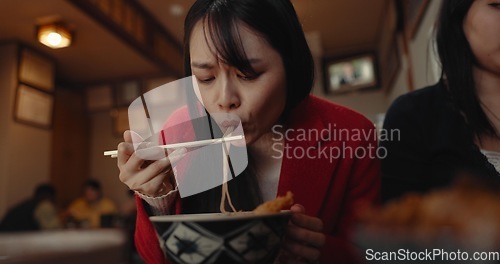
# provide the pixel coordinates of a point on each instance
(225, 172)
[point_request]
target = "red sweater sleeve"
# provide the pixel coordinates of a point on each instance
(146, 240)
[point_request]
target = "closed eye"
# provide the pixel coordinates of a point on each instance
(206, 80)
(248, 77)
(495, 5)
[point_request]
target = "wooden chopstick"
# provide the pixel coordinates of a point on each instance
(206, 142)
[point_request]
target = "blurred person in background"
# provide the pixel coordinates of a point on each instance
(452, 127)
(90, 209)
(36, 213)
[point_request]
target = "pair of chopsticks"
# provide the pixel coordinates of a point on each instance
(191, 144)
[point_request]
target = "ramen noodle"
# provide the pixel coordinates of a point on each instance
(274, 206)
(225, 172)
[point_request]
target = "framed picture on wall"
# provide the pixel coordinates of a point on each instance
(33, 107)
(36, 70)
(350, 74)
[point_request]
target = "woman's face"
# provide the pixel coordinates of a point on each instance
(258, 100)
(482, 30)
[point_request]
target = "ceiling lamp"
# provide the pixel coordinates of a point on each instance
(54, 35)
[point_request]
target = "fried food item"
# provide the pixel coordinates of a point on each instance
(466, 211)
(276, 205)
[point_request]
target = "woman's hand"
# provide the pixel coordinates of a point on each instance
(152, 178)
(304, 238)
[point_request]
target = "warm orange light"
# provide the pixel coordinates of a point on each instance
(54, 36)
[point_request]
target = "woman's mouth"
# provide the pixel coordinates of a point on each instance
(229, 124)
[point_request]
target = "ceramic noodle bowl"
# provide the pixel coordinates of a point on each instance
(222, 238)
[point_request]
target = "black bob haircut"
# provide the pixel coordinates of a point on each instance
(275, 20)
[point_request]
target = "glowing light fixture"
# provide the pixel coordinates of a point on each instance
(54, 35)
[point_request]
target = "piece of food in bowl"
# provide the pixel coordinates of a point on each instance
(276, 205)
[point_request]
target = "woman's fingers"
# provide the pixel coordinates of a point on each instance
(155, 186)
(305, 221)
(127, 158)
(146, 169)
(127, 136)
(152, 170)
(301, 251)
(305, 236)
(145, 150)
(149, 180)
(150, 153)
(164, 164)
(298, 208)
(154, 177)
(125, 149)
(132, 137)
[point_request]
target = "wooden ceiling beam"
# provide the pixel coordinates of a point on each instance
(132, 23)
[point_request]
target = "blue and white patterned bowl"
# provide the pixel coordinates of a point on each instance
(222, 238)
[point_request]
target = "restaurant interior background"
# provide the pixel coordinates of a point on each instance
(121, 48)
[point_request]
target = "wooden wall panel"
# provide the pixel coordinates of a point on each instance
(70, 149)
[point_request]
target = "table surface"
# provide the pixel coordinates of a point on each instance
(64, 246)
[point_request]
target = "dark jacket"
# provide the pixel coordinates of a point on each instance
(21, 217)
(435, 144)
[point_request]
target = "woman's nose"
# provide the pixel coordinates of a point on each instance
(229, 98)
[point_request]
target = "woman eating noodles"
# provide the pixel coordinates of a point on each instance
(250, 58)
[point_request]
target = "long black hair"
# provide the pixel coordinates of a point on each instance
(457, 61)
(277, 22)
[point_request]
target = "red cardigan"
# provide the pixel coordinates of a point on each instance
(329, 190)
